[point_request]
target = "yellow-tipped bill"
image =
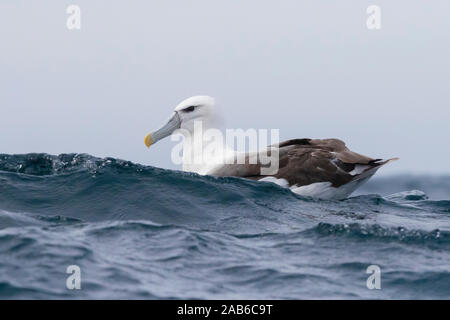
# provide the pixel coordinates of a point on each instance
(165, 131)
(148, 140)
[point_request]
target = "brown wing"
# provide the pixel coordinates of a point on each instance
(306, 161)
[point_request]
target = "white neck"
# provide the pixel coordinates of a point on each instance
(203, 149)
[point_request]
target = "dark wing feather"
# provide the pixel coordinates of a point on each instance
(306, 161)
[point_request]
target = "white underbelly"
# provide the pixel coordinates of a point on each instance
(321, 190)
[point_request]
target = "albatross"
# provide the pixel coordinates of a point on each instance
(317, 168)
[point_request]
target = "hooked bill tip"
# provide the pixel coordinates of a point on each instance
(148, 140)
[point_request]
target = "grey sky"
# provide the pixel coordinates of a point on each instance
(309, 68)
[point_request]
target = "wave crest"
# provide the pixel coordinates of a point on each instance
(368, 231)
(42, 164)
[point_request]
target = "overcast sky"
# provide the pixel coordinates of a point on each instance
(310, 68)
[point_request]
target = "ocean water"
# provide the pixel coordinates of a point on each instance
(139, 232)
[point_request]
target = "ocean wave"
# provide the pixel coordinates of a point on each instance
(375, 231)
(42, 164)
(80, 187)
(144, 232)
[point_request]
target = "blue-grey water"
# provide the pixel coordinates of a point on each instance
(139, 232)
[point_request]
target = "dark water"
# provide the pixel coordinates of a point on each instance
(144, 232)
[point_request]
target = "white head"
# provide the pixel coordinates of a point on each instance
(196, 108)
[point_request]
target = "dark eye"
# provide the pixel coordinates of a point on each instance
(189, 109)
